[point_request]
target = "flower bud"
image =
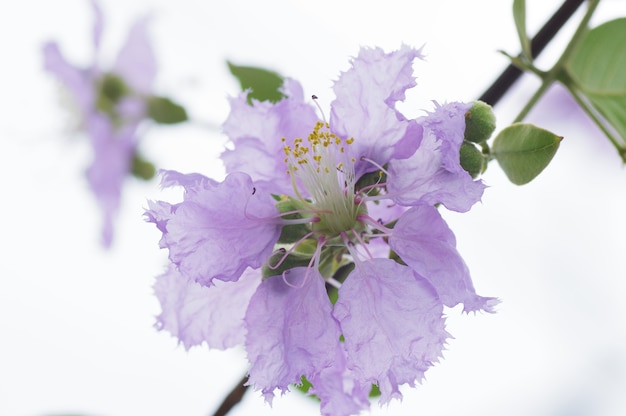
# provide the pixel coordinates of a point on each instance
(480, 122)
(472, 160)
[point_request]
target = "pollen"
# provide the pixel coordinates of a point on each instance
(322, 164)
(320, 146)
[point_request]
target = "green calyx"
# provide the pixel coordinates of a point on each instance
(339, 220)
(279, 262)
(480, 122)
(111, 89)
(292, 233)
(472, 159)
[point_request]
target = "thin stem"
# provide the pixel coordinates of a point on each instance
(557, 70)
(592, 114)
(234, 397)
(547, 82)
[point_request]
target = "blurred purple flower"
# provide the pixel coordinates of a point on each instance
(344, 299)
(111, 104)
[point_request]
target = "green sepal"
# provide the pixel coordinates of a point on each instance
(305, 385)
(472, 159)
(164, 111)
(396, 257)
(480, 122)
(341, 273)
(292, 260)
(141, 168)
(264, 85)
(596, 68)
(375, 391)
(523, 151)
(111, 89)
(293, 232)
(369, 179)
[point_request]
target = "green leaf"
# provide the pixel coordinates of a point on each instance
(598, 70)
(524, 150)
(165, 111)
(264, 84)
(141, 168)
(519, 15)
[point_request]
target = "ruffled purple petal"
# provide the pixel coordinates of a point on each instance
(219, 229)
(78, 81)
(339, 393)
(98, 27)
(392, 322)
(256, 131)
(424, 242)
(195, 314)
(290, 331)
(365, 106)
(112, 155)
(434, 173)
(136, 62)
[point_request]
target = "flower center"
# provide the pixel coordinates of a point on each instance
(325, 169)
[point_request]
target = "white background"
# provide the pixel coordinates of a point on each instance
(76, 321)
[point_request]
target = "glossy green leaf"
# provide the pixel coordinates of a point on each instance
(264, 85)
(598, 70)
(524, 150)
(165, 111)
(519, 15)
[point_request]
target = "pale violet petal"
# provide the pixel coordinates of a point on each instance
(364, 107)
(424, 242)
(339, 392)
(391, 319)
(256, 132)
(433, 174)
(291, 332)
(136, 62)
(78, 81)
(198, 314)
(219, 229)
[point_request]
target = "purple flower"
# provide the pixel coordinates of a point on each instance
(219, 229)
(111, 104)
(353, 262)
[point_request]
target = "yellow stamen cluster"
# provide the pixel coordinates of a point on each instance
(324, 167)
(314, 150)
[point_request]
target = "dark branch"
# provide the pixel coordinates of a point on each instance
(506, 80)
(233, 397)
